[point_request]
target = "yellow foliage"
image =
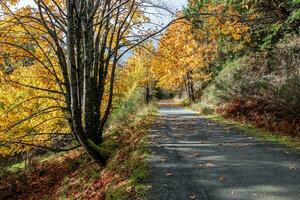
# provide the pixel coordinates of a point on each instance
(181, 56)
(186, 50)
(31, 101)
(137, 71)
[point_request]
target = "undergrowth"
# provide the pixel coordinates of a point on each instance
(123, 176)
(73, 175)
(261, 88)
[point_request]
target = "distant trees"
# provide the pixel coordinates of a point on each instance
(139, 70)
(180, 60)
(189, 47)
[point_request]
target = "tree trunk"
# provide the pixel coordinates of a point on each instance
(92, 149)
(190, 87)
(89, 42)
(192, 91)
(148, 95)
(85, 116)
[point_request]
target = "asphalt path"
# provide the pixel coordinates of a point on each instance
(194, 159)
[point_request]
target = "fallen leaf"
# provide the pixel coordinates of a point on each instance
(209, 165)
(192, 197)
(292, 168)
(200, 165)
(195, 155)
(237, 146)
(222, 178)
(206, 165)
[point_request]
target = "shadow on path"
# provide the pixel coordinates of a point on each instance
(193, 158)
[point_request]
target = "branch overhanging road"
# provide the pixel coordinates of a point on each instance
(194, 158)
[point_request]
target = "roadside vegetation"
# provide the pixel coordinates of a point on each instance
(250, 72)
(73, 175)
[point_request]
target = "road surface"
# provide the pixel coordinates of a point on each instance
(194, 158)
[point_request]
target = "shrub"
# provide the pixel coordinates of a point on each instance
(126, 108)
(262, 87)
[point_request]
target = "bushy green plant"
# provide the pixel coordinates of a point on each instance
(263, 84)
(127, 107)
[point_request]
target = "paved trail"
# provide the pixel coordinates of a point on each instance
(194, 158)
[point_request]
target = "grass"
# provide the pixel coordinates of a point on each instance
(123, 178)
(15, 167)
(252, 130)
(130, 162)
(21, 165)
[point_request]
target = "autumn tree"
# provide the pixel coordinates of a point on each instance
(139, 71)
(74, 48)
(181, 60)
(191, 45)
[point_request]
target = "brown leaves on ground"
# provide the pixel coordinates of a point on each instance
(117, 173)
(42, 180)
(80, 188)
(259, 112)
(74, 176)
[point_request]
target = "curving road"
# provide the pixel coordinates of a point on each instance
(193, 159)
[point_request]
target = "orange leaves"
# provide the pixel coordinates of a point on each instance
(5, 4)
(180, 55)
(186, 51)
(226, 23)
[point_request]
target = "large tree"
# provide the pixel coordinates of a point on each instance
(78, 44)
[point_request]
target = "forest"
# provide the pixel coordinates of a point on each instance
(93, 93)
